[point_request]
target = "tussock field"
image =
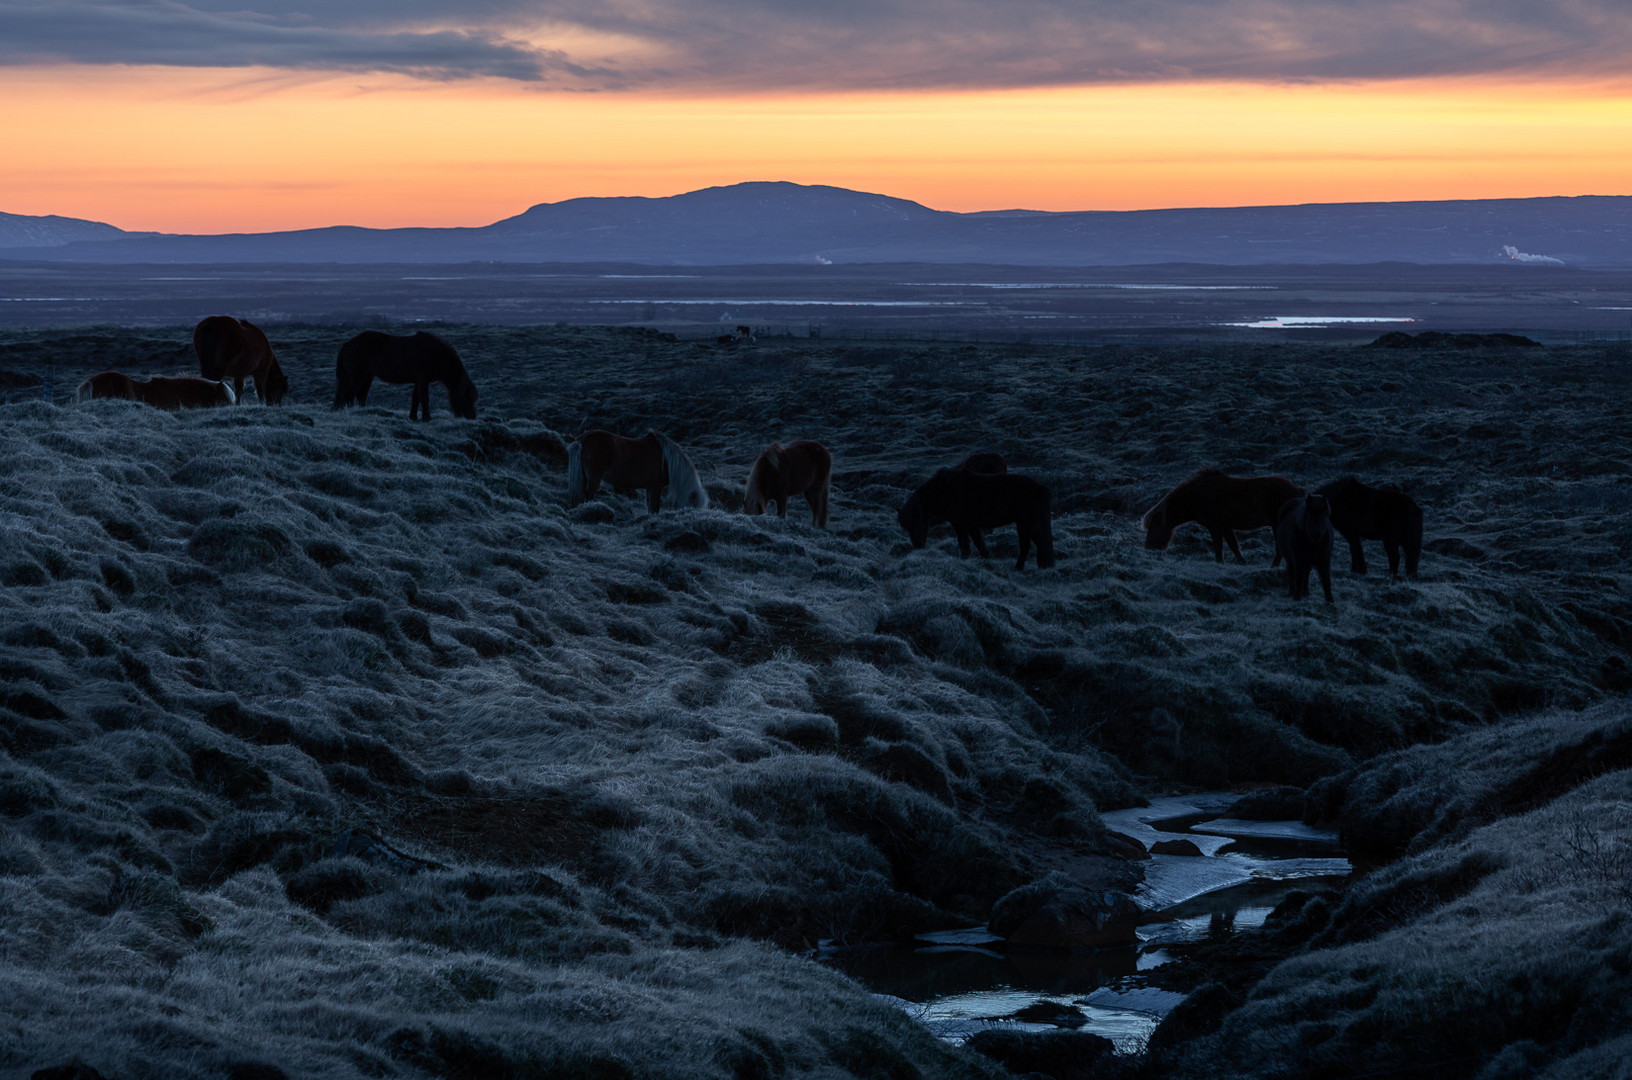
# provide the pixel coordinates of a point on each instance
(335, 743)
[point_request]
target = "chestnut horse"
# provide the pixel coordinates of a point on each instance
(650, 462)
(159, 391)
(229, 348)
(1361, 513)
(799, 468)
(977, 501)
(1221, 504)
(421, 359)
(1303, 535)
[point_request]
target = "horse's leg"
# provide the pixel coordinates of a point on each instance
(421, 401)
(1235, 548)
(1357, 555)
(238, 389)
(1393, 550)
(654, 499)
(1025, 548)
(963, 540)
(1324, 569)
(363, 383)
(980, 543)
(818, 506)
(1218, 543)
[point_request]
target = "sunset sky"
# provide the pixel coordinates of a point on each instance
(249, 115)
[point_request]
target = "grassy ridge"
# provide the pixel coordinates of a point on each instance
(335, 741)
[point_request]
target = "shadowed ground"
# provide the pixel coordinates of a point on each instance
(333, 741)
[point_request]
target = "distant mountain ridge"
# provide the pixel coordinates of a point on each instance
(780, 222)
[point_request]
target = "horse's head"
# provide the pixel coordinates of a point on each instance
(1316, 509)
(277, 385)
(462, 398)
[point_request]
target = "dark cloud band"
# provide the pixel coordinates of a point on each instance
(800, 45)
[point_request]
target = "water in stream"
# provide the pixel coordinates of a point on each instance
(959, 982)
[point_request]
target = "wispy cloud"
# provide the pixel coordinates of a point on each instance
(740, 45)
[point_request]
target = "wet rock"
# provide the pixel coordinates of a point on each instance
(1177, 846)
(1064, 1055)
(1050, 1012)
(1058, 913)
(1199, 1014)
(1125, 846)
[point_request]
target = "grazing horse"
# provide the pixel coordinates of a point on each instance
(918, 516)
(1303, 535)
(1221, 504)
(649, 462)
(974, 502)
(229, 348)
(1361, 513)
(421, 359)
(159, 391)
(799, 468)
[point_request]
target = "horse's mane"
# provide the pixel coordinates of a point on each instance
(685, 486)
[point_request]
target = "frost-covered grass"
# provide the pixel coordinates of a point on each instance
(598, 750)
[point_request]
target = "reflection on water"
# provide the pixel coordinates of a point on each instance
(1295, 322)
(1081, 285)
(959, 982)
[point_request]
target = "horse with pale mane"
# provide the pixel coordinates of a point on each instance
(161, 392)
(651, 462)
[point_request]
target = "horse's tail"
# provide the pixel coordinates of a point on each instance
(346, 364)
(86, 390)
(1045, 530)
(1154, 515)
(575, 473)
(685, 486)
(1413, 539)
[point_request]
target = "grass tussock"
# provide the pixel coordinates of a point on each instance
(335, 741)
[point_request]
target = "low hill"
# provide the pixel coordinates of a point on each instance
(791, 223)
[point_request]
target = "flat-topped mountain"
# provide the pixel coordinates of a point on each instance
(792, 223)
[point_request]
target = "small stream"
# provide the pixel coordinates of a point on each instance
(959, 982)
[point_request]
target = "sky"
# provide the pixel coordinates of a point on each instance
(252, 115)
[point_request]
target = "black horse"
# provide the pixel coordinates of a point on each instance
(976, 501)
(1361, 513)
(1303, 536)
(421, 359)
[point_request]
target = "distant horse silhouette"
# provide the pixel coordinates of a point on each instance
(1221, 504)
(1361, 513)
(159, 391)
(236, 348)
(974, 502)
(650, 462)
(1303, 536)
(799, 468)
(420, 359)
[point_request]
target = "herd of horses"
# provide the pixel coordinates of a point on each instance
(975, 496)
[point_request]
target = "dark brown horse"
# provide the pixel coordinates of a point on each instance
(420, 359)
(159, 391)
(1221, 504)
(974, 502)
(1361, 513)
(651, 462)
(236, 349)
(799, 468)
(1303, 536)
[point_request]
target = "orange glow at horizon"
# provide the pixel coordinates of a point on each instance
(212, 151)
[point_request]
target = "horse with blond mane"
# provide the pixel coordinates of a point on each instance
(1221, 504)
(235, 348)
(160, 391)
(652, 462)
(799, 468)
